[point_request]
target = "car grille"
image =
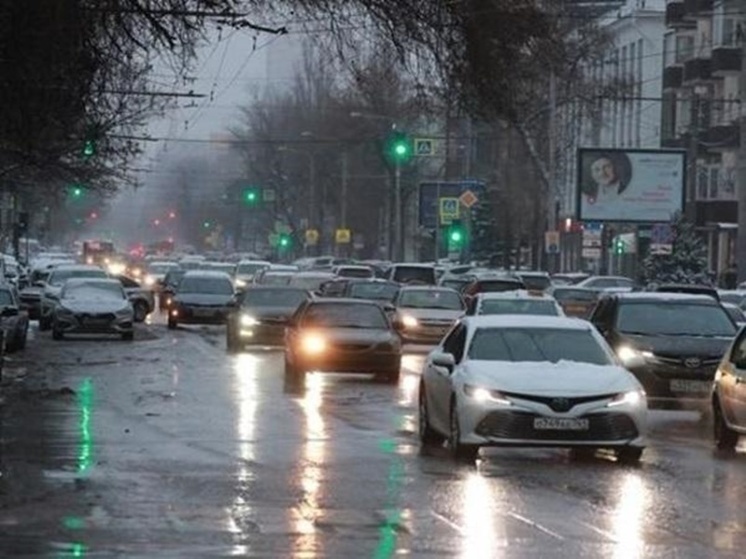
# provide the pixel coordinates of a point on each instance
(680, 361)
(352, 346)
(520, 425)
(99, 317)
(559, 404)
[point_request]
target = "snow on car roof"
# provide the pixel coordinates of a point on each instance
(92, 281)
(207, 274)
(526, 321)
(662, 296)
(516, 294)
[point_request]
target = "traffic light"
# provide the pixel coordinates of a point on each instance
(284, 241)
(76, 192)
(250, 196)
(89, 148)
(456, 235)
(619, 246)
(206, 224)
(399, 147)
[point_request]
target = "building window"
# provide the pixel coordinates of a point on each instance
(716, 181)
(684, 48)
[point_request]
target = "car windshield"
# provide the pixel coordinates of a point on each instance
(93, 290)
(456, 284)
(274, 297)
(735, 298)
(174, 277)
(355, 273)
(312, 283)
(537, 283)
(227, 268)
(518, 306)
(61, 276)
(375, 291)
(276, 279)
(207, 286)
(574, 295)
(498, 286)
(408, 274)
(537, 344)
(674, 319)
(430, 299)
(735, 313)
(6, 298)
(344, 315)
(250, 269)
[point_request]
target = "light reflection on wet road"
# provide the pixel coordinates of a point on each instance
(169, 447)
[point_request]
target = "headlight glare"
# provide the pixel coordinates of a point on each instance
(486, 395)
(408, 321)
(629, 354)
(247, 320)
(240, 283)
(631, 398)
(313, 344)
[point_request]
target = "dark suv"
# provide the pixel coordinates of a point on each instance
(672, 342)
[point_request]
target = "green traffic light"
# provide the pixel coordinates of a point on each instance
(206, 225)
(457, 236)
(89, 148)
(399, 147)
(251, 196)
(284, 241)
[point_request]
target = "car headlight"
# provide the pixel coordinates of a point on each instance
(116, 268)
(247, 320)
(486, 395)
(408, 321)
(628, 354)
(240, 283)
(631, 398)
(313, 344)
(124, 312)
(149, 281)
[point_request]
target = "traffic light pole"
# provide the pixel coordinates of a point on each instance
(398, 252)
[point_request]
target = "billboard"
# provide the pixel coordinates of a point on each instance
(630, 185)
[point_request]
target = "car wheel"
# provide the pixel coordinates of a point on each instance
(141, 311)
(57, 333)
(725, 437)
(459, 451)
(294, 374)
(128, 336)
(172, 324)
(22, 338)
(428, 436)
(629, 455)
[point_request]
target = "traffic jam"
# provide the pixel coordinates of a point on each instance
(479, 363)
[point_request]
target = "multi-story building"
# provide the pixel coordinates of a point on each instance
(701, 67)
(626, 111)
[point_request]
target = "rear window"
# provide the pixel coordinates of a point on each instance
(574, 295)
(496, 286)
(355, 273)
(274, 297)
(536, 283)
(519, 306)
(410, 274)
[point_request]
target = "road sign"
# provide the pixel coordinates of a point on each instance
(468, 198)
(312, 237)
(591, 252)
(342, 236)
(430, 192)
(661, 239)
(552, 242)
(450, 209)
(424, 147)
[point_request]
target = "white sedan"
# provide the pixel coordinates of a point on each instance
(517, 380)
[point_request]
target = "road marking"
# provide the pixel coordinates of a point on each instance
(600, 531)
(450, 523)
(535, 525)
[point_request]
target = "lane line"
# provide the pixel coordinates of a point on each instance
(611, 537)
(535, 525)
(449, 522)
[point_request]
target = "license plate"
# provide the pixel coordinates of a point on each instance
(690, 386)
(96, 322)
(204, 313)
(560, 424)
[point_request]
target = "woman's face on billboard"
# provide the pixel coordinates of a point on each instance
(602, 171)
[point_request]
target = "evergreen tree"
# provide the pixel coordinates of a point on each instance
(687, 262)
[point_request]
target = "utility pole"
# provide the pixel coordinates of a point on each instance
(343, 196)
(741, 239)
(398, 256)
(551, 218)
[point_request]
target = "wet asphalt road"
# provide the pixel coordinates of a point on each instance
(168, 447)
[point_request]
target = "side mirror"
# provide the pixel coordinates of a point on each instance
(9, 311)
(445, 360)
